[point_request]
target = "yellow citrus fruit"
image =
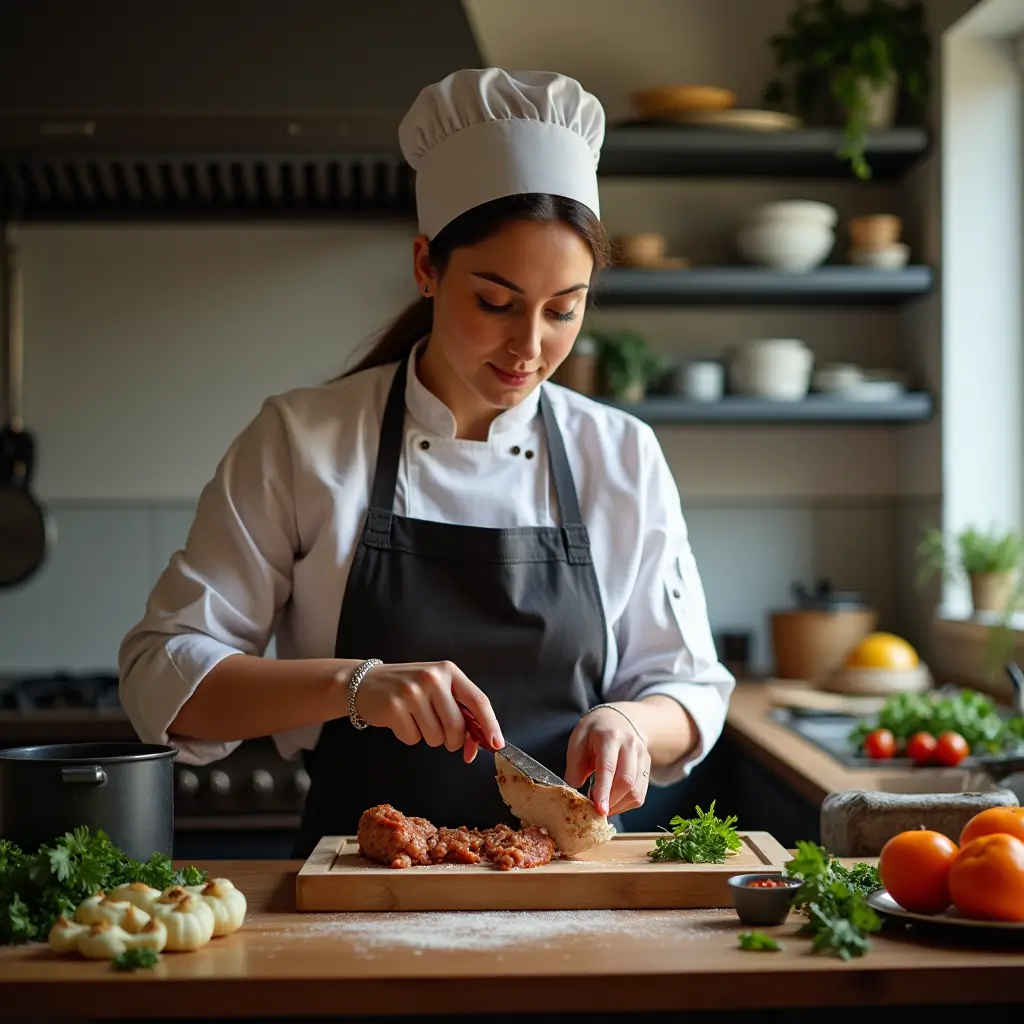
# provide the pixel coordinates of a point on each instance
(883, 650)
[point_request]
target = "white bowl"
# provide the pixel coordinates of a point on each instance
(879, 682)
(890, 257)
(838, 378)
(775, 368)
(797, 211)
(782, 246)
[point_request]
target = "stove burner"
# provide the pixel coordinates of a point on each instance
(92, 692)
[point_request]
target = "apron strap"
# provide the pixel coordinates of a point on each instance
(389, 452)
(577, 540)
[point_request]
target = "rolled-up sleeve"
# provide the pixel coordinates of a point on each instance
(663, 636)
(220, 595)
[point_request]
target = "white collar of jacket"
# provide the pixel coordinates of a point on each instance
(436, 418)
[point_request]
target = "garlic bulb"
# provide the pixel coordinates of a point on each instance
(103, 941)
(64, 935)
(134, 921)
(189, 919)
(100, 908)
(153, 936)
(137, 893)
(227, 903)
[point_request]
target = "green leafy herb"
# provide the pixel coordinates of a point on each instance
(36, 888)
(967, 712)
(832, 898)
(134, 959)
(705, 839)
(758, 942)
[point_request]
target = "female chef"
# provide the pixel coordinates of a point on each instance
(443, 527)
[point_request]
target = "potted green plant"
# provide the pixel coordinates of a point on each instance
(626, 363)
(990, 559)
(861, 58)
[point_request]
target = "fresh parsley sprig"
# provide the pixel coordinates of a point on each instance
(704, 839)
(759, 942)
(832, 897)
(135, 959)
(36, 888)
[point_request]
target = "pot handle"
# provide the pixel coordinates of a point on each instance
(85, 773)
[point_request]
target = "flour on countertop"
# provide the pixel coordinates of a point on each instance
(488, 930)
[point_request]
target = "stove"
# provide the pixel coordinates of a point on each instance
(247, 805)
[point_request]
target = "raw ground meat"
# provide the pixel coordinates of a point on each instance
(386, 836)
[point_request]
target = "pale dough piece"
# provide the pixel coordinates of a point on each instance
(101, 908)
(64, 935)
(188, 919)
(137, 893)
(565, 814)
(226, 901)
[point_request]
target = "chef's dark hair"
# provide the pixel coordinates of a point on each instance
(399, 338)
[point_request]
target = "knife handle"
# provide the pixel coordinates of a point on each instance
(474, 729)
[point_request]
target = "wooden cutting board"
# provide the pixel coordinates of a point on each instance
(617, 876)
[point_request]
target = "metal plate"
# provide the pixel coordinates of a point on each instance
(885, 904)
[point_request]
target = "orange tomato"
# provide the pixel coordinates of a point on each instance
(986, 880)
(915, 870)
(992, 820)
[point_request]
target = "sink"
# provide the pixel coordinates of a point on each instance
(831, 733)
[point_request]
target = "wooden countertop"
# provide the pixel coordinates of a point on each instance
(808, 769)
(285, 963)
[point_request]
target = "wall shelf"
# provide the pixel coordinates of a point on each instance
(830, 285)
(639, 149)
(913, 407)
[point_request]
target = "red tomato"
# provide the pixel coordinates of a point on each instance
(950, 749)
(880, 745)
(921, 748)
(915, 870)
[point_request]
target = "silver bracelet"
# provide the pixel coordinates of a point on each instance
(353, 686)
(597, 707)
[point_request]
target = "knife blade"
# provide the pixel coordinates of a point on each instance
(531, 768)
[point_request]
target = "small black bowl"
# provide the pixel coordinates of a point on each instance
(757, 906)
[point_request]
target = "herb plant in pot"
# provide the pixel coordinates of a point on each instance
(990, 559)
(863, 59)
(626, 364)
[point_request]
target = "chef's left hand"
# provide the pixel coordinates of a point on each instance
(605, 745)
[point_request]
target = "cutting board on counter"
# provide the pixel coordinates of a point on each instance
(616, 876)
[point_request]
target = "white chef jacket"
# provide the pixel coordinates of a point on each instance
(277, 526)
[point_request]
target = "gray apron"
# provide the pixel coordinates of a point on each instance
(518, 610)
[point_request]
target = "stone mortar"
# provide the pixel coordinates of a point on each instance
(859, 822)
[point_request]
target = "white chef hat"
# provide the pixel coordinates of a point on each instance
(481, 134)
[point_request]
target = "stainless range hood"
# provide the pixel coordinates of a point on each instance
(122, 108)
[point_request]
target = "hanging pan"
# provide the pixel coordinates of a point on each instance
(26, 532)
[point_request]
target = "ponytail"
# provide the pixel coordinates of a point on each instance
(399, 338)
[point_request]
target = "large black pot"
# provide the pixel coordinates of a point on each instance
(125, 789)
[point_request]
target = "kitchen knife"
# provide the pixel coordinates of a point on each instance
(518, 758)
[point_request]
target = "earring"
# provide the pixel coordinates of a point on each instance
(426, 289)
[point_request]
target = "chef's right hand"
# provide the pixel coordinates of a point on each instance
(420, 701)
